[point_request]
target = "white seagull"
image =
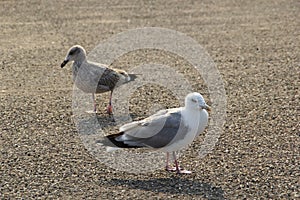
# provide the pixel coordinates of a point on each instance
(93, 77)
(167, 130)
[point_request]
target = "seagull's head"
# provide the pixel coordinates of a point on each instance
(75, 53)
(196, 101)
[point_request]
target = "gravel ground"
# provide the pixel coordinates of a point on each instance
(255, 46)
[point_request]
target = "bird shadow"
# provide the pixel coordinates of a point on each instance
(91, 123)
(173, 185)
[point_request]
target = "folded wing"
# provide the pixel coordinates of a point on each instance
(156, 131)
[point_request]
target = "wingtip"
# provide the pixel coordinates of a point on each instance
(132, 77)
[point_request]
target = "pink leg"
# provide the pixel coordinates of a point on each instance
(176, 163)
(167, 163)
(94, 100)
(109, 107)
(168, 167)
(178, 169)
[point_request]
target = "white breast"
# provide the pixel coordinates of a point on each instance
(196, 121)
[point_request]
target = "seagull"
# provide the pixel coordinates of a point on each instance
(168, 130)
(91, 77)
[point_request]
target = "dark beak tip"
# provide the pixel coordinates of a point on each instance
(64, 63)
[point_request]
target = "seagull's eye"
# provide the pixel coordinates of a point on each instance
(73, 51)
(194, 100)
(123, 73)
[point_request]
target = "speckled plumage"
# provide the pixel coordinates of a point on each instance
(91, 77)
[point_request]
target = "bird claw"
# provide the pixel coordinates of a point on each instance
(170, 169)
(179, 171)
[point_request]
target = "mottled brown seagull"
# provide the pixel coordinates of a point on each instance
(91, 77)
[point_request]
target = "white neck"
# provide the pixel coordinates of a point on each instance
(195, 118)
(190, 115)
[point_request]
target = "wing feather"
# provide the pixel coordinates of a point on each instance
(155, 131)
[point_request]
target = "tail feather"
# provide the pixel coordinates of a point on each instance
(132, 77)
(110, 141)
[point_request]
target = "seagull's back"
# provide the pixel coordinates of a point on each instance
(93, 77)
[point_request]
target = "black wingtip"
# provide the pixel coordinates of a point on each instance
(132, 76)
(111, 141)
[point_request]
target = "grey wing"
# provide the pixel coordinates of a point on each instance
(102, 76)
(107, 80)
(147, 127)
(171, 128)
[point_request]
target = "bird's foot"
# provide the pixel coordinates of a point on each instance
(183, 171)
(170, 169)
(179, 171)
(109, 109)
(94, 111)
(91, 111)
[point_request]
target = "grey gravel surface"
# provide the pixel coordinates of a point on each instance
(255, 46)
